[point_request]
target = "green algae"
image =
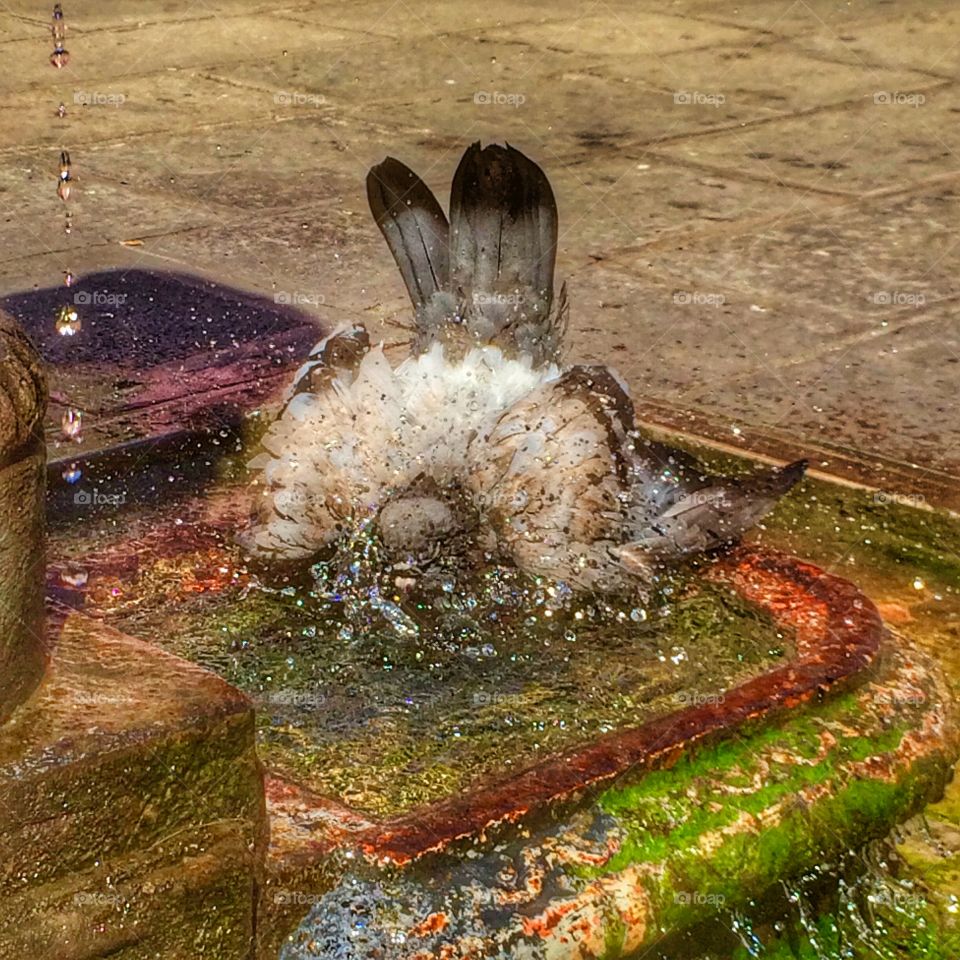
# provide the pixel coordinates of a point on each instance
(385, 725)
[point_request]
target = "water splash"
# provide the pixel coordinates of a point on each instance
(68, 321)
(71, 424)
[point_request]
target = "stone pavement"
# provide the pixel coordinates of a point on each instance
(759, 203)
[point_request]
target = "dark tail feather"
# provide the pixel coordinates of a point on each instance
(414, 227)
(503, 223)
(716, 513)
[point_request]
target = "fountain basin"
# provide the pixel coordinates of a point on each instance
(617, 840)
(606, 850)
(634, 834)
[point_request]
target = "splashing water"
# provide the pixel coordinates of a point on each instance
(68, 321)
(71, 424)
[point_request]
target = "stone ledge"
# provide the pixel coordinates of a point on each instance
(129, 770)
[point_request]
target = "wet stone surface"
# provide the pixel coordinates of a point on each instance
(393, 699)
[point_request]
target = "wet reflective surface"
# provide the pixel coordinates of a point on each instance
(394, 696)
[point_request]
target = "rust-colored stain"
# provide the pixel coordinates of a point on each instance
(433, 923)
(838, 632)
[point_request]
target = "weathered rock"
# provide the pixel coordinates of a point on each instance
(133, 816)
(23, 399)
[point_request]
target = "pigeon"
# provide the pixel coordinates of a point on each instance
(483, 442)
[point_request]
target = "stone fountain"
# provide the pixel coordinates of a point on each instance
(131, 797)
(139, 821)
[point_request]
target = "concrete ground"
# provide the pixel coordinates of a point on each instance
(759, 203)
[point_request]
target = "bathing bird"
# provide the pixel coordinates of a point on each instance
(483, 441)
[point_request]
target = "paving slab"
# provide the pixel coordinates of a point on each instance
(611, 29)
(770, 76)
(667, 339)
(862, 261)
(864, 395)
(108, 58)
(101, 211)
(139, 109)
(390, 18)
(495, 87)
(923, 37)
(613, 203)
(827, 17)
(895, 143)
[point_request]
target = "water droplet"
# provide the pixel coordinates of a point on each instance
(72, 473)
(63, 189)
(62, 110)
(638, 614)
(60, 58)
(68, 279)
(71, 424)
(68, 321)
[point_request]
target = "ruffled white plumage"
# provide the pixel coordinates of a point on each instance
(347, 449)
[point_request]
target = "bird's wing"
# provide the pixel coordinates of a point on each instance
(414, 226)
(719, 511)
(301, 493)
(549, 481)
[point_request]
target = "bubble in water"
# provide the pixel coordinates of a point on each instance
(71, 424)
(68, 321)
(72, 473)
